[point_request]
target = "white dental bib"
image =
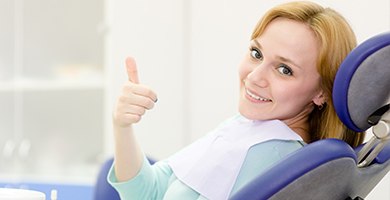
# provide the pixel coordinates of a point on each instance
(211, 165)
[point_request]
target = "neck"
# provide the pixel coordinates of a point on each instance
(300, 124)
(302, 131)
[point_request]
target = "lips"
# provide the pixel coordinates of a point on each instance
(256, 97)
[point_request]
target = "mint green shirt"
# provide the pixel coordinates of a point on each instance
(157, 181)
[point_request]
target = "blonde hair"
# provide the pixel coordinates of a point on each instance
(336, 40)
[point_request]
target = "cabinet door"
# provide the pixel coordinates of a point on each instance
(51, 88)
(7, 143)
(62, 125)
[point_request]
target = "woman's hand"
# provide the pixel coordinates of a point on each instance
(134, 99)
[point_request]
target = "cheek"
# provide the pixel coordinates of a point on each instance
(243, 70)
(300, 94)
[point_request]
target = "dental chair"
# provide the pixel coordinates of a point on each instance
(330, 168)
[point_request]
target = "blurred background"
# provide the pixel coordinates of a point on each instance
(62, 67)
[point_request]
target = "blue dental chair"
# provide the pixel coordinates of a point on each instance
(103, 190)
(330, 168)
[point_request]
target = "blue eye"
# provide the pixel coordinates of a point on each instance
(285, 70)
(255, 53)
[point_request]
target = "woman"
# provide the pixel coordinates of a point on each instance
(286, 81)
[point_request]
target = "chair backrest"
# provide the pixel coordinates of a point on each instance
(103, 190)
(328, 169)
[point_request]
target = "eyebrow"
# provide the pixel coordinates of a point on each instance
(283, 59)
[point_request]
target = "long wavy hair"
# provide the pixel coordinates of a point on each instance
(336, 40)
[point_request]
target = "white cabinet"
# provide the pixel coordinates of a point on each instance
(51, 88)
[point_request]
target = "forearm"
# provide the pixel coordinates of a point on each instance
(128, 154)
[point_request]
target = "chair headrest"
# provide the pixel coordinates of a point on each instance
(362, 83)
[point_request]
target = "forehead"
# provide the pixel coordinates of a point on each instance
(290, 39)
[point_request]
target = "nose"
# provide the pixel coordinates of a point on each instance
(259, 76)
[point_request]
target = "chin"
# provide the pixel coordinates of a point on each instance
(253, 114)
(247, 113)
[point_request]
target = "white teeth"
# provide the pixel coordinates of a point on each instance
(256, 97)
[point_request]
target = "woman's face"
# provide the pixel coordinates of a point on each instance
(278, 76)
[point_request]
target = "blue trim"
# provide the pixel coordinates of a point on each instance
(346, 72)
(65, 191)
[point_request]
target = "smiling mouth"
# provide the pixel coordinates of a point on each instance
(257, 97)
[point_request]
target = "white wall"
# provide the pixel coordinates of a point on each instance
(188, 51)
(152, 32)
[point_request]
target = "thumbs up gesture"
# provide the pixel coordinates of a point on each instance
(134, 99)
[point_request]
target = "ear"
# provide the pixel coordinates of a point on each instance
(320, 98)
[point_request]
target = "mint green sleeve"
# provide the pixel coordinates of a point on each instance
(151, 182)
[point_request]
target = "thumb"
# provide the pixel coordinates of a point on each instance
(131, 68)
